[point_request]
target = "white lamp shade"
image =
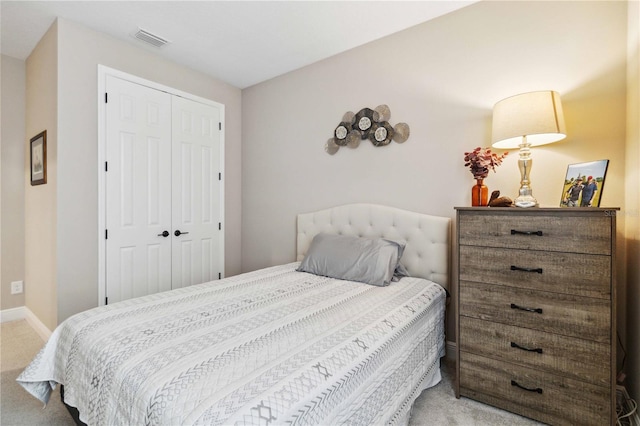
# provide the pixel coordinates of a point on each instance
(536, 115)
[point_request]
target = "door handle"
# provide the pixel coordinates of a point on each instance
(514, 383)
(535, 310)
(178, 233)
(515, 345)
(518, 268)
(516, 232)
(164, 234)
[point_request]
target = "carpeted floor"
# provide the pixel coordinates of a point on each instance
(19, 408)
(20, 343)
(438, 406)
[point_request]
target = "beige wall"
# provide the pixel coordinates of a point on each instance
(632, 233)
(442, 78)
(12, 203)
(41, 201)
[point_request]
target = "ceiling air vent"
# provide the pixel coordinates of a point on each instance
(147, 37)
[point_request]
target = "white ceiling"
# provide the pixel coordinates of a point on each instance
(240, 42)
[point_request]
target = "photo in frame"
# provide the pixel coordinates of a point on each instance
(583, 184)
(38, 148)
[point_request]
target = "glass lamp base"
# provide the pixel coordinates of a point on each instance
(525, 201)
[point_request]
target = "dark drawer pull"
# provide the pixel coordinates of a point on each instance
(514, 383)
(517, 268)
(536, 310)
(514, 232)
(515, 345)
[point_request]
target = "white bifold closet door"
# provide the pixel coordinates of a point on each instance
(162, 191)
(196, 192)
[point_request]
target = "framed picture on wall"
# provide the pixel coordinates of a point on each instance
(583, 184)
(39, 159)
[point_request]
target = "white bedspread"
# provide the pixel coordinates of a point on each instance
(273, 346)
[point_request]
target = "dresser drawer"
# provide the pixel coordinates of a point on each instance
(536, 232)
(569, 315)
(575, 358)
(580, 274)
(550, 398)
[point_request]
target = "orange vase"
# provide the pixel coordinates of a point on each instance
(479, 194)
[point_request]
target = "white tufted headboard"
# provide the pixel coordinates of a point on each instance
(427, 237)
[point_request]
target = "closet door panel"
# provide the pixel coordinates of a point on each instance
(138, 190)
(196, 192)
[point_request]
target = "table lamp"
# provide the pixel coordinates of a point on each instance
(526, 120)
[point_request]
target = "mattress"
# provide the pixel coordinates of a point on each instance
(273, 346)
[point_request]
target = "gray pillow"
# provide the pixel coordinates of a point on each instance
(367, 260)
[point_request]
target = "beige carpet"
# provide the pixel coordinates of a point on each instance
(438, 406)
(20, 343)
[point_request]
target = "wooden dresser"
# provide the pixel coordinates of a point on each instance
(536, 312)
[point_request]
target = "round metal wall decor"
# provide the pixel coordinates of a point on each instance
(381, 113)
(340, 133)
(353, 139)
(381, 134)
(364, 119)
(331, 147)
(401, 132)
(372, 124)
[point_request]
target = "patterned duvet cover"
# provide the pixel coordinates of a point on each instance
(273, 346)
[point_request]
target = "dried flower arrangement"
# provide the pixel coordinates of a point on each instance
(481, 160)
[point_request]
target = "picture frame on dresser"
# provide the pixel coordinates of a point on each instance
(583, 184)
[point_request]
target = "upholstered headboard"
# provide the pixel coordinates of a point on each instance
(426, 254)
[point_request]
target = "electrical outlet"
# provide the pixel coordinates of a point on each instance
(16, 287)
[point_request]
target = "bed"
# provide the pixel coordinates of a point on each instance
(281, 345)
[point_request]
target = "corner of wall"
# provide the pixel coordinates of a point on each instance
(41, 200)
(632, 198)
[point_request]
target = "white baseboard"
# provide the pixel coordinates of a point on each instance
(13, 314)
(37, 325)
(24, 313)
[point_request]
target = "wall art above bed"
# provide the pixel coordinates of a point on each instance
(372, 124)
